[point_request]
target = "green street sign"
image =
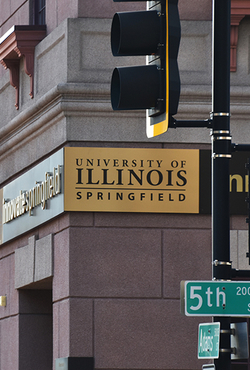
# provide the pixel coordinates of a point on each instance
(209, 340)
(215, 298)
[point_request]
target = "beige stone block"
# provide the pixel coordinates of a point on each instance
(243, 249)
(24, 264)
(50, 62)
(44, 258)
(195, 53)
(234, 248)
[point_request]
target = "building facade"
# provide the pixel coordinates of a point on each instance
(98, 286)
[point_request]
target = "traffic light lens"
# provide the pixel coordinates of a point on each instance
(135, 87)
(135, 33)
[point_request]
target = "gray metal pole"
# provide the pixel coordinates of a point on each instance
(221, 154)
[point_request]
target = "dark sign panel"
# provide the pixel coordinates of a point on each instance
(238, 182)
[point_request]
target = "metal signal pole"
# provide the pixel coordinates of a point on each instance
(221, 154)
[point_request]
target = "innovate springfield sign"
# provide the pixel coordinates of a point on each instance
(131, 180)
(33, 198)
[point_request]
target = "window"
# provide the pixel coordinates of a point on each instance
(37, 12)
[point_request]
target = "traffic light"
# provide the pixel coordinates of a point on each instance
(155, 86)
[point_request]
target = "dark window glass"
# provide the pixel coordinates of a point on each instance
(37, 12)
(40, 11)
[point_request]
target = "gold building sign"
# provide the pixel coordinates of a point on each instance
(131, 180)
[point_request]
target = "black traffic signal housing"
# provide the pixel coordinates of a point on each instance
(155, 86)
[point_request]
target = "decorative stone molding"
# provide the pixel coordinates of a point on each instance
(239, 9)
(18, 42)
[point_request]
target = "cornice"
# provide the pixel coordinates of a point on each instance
(61, 101)
(18, 42)
(93, 100)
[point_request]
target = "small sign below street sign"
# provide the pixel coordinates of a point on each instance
(209, 340)
(215, 298)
